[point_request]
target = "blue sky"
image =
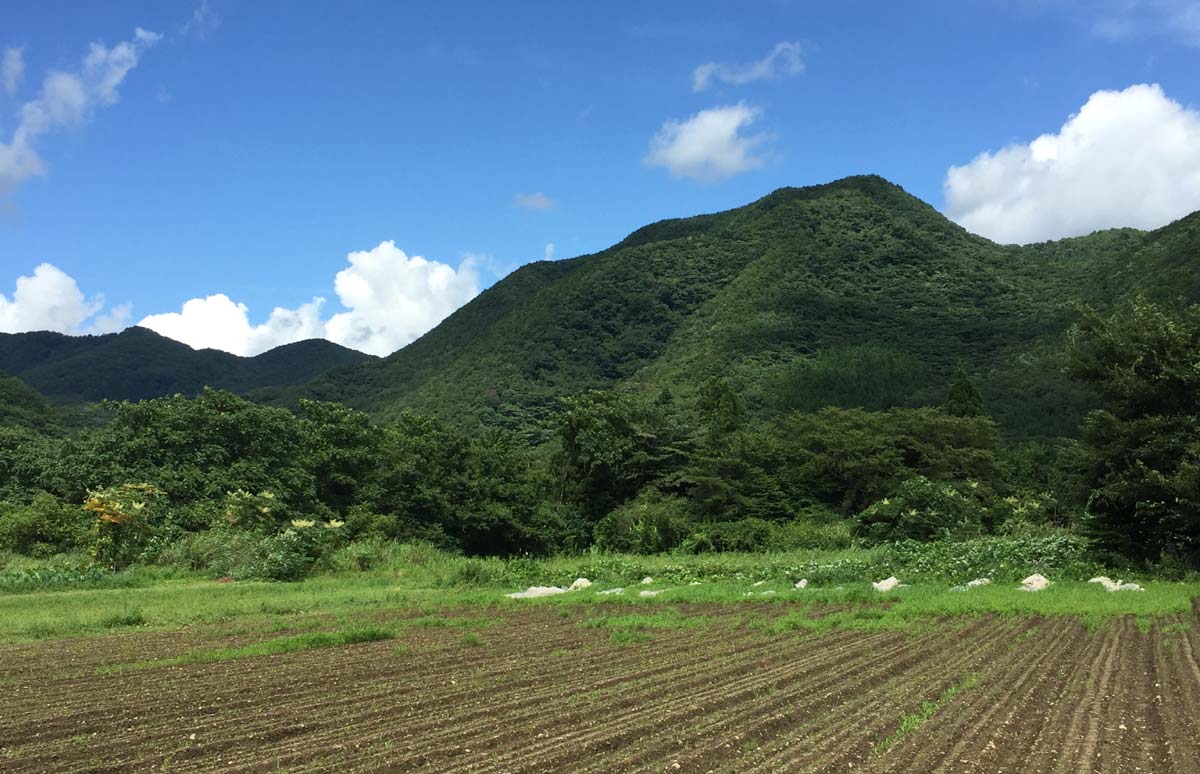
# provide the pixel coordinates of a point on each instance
(253, 146)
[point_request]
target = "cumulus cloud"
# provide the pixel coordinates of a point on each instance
(50, 300)
(390, 299)
(534, 201)
(709, 145)
(1127, 158)
(12, 67)
(393, 299)
(783, 61)
(67, 99)
(549, 254)
(217, 322)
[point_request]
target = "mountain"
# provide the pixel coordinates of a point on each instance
(22, 406)
(852, 293)
(138, 363)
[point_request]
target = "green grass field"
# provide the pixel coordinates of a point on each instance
(435, 585)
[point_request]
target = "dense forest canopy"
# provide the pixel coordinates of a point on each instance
(828, 365)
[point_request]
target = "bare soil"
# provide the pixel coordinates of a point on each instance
(542, 693)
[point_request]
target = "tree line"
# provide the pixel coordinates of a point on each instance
(635, 471)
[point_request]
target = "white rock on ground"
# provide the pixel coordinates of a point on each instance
(1128, 587)
(617, 590)
(758, 583)
(979, 582)
(647, 580)
(648, 593)
(694, 583)
(802, 583)
(1034, 582)
(536, 591)
(886, 585)
(580, 583)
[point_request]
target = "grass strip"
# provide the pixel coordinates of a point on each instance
(664, 620)
(308, 641)
(914, 720)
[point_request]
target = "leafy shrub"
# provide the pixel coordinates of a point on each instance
(292, 553)
(219, 551)
(56, 576)
(249, 511)
(744, 535)
(1062, 556)
(44, 527)
(124, 516)
(921, 509)
(802, 533)
(649, 524)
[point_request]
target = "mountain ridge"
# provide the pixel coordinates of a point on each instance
(804, 280)
(138, 363)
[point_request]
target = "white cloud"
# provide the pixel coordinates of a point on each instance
(393, 298)
(1120, 20)
(12, 67)
(1128, 158)
(202, 21)
(549, 254)
(390, 300)
(783, 61)
(67, 99)
(534, 201)
(709, 145)
(217, 322)
(49, 300)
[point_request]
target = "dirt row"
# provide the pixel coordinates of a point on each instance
(541, 692)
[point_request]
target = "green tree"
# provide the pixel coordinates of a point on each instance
(1144, 446)
(964, 398)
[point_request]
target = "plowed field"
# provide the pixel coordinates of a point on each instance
(538, 691)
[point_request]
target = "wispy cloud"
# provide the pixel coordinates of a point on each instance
(709, 145)
(538, 202)
(1124, 20)
(68, 99)
(12, 67)
(203, 21)
(782, 61)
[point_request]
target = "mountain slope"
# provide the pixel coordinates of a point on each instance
(138, 363)
(852, 293)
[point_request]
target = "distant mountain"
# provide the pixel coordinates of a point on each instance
(851, 294)
(138, 363)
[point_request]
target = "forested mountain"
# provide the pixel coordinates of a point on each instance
(851, 294)
(138, 363)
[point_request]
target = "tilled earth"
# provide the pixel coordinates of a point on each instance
(539, 692)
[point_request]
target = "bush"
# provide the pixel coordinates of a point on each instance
(746, 535)
(123, 525)
(811, 534)
(292, 553)
(219, 551)
(1059, 557)
(44, 527)
(921, 510)
(649, 524)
